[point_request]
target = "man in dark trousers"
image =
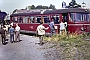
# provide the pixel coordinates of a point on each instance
(52, 27)
(11, 31)
(41, 32)
(2, 31)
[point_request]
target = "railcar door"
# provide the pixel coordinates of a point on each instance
(65, 20)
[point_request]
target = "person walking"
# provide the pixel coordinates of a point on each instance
(41, 32)
(11, 31)
(17, 33)
(52, 27)
(3, 36)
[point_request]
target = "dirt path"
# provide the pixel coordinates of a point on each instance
(27, 49)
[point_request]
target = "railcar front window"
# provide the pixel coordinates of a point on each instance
(87, 17)
(72, 17)
(82, 17)
(79, 17)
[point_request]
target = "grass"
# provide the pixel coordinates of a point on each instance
(73, 46)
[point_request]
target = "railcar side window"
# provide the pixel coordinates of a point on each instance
(38, 18)
(46, 19)
(15, 19)
(56, 18)
(20, 19)
(25, 19)
(32, 19)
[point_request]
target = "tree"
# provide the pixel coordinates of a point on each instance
(52, 6)
(45, 7)
(28, 7)
(32, 7)
(39, 7)
(73, 4)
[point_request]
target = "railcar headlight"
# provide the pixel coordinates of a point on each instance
(83, 29)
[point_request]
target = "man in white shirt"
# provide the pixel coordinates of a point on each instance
(17, 33)
(41, 32)
(62, 28)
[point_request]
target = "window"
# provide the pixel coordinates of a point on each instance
(87, 17)
(82, 17)
(25, 19)
(38, 19)
(20, 19)
(46, 19)
(79, 17)
(32, 19)
(72, 17)
(14, 19)
(56, 18)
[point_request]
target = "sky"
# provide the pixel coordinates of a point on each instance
(10, 5)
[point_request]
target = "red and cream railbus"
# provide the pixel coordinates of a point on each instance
(77, 19)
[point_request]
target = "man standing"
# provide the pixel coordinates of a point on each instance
(2, 31)
(62, 28)
(11, 31)
(41, 32)
(52, 28)
(17, 33)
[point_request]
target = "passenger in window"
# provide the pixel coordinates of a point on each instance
(32, 20)
(42, 20)
(20, 20)
(29, 20)
(52, 28)
(16, 19)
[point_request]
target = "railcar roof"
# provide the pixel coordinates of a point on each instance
(57, 11)
(25, 14)
(67, 10)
